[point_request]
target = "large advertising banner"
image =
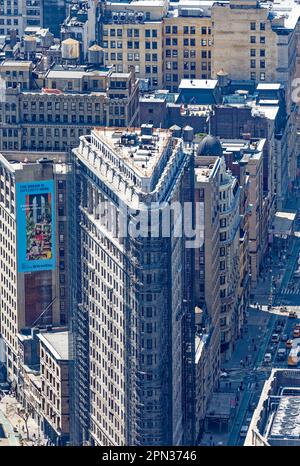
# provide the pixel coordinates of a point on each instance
(35, 226)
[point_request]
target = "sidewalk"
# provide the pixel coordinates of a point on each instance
(11, 439)
(10, 420)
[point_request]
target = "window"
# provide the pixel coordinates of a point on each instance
(262, 26)
(253, 76)
(168, 29)
(223, 236)
(252, 52)
(223, 223)
(262, 53)
(262, 40)
(262, 63)
(203, 30)
(185, 29)
(252, 26)
(262, 76)
(252, 64)
(252, 39)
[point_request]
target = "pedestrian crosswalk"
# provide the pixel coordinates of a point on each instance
(290, 291)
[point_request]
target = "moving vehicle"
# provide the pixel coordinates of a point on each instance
(289, 344)
(294, 356)
(243, 431)
(275, 338)
(284, 337)
(281, 354)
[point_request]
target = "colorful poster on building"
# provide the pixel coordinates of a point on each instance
(35, 226)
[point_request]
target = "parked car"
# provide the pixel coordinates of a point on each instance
(268, 358)
(284, 337)
(296, 333)
(289, 343)
(281, 354)
(275, 338)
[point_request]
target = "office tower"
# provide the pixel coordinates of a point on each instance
(255, 48)
(164, 42)
(133, 322)
(54, 377)
(54, 14)
(51, 111)
(33, 261)
(81, 23)
(228, 229)
(250, 154)
(207, 281)
(187, 43)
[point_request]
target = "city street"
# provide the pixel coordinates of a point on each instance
(246, 372)
(13, 426)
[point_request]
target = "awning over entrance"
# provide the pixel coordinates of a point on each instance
(282, 225)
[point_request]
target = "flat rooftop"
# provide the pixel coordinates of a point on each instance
(75, 72)
(198, 84)
(268, 86)
(14, 63)
(140, 152)
(16, 161)
(286, 421)
(245, 147)
(57, 343)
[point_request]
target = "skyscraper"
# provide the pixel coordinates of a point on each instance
(133, 321)
(33, 262)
